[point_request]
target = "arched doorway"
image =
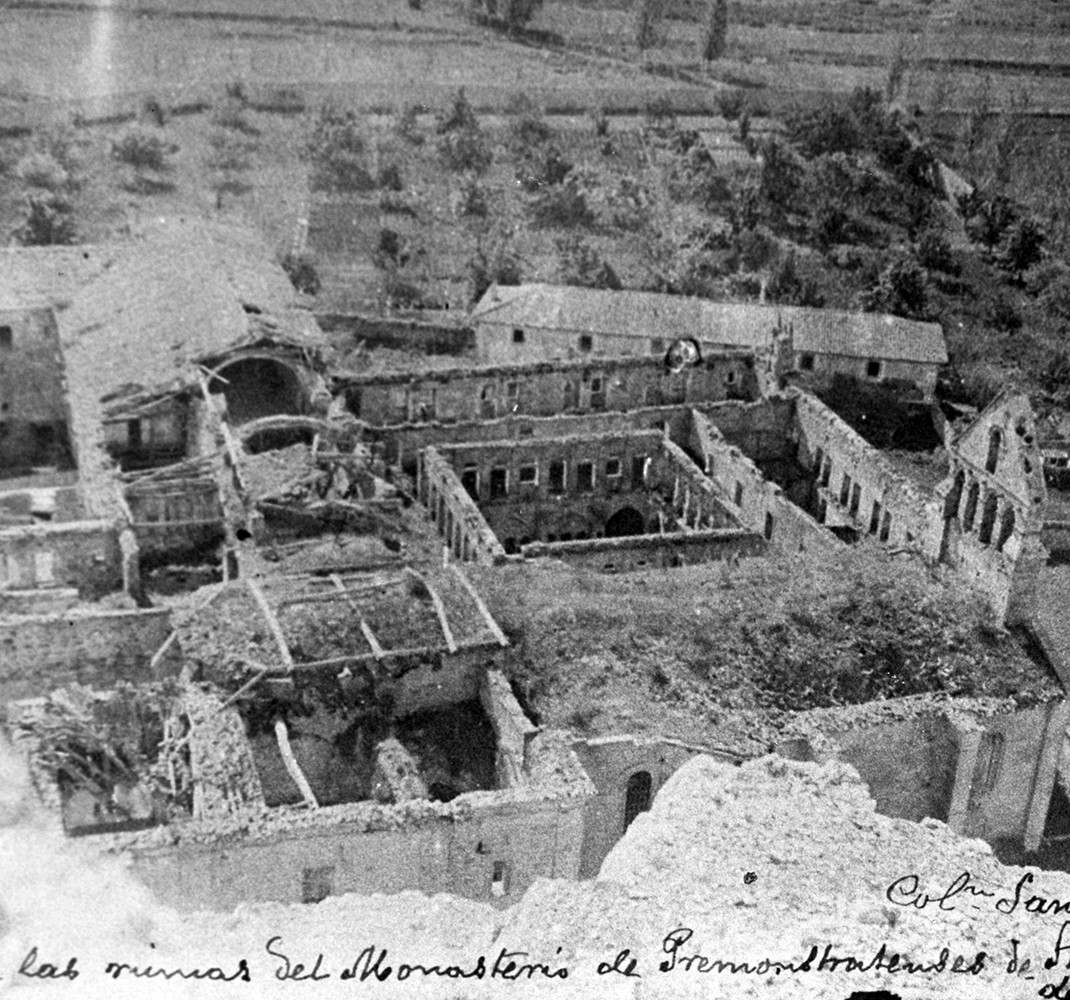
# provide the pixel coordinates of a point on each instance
(627, 521)
(637, 796)
(258, 387)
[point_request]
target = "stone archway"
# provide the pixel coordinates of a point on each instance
(258, 387)
(627, 521)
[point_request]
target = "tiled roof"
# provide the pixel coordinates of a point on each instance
(649, 314)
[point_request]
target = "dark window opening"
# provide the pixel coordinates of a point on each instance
(529, 474)
(596, 384)
(856, 500)
(954, 496)
(873, 369)
(7, 338)
(612, 467)
(557, 477)
(970, 512)
(875, 518)
(627, 521)
(499, 879)
(1006, 528)
(586, 343)
(737, 497)
(826, 471)
(133, 433)
(497, 483)
(639, 470)
(518, 335)
(636, 796)
(585, 477)
(512, 389)
(317, 884)
(470, 481)
(845, 490)
(886, 527)
(988, 519)
(657, 346)
(768, 527)
(806, 362)
(995, 440)
(730, 378)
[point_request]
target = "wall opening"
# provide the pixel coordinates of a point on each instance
(317, 884)
(627, 521)
(637, 796)
(970, 512)
(1006, 528)
(988, 519)
(499, 879)
(995, 440)
(258, 387)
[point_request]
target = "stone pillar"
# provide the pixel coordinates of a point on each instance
(968, 733)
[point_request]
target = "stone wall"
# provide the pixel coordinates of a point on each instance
(459, 522)
(856, 487)
(83, 555)
(96, 648)
(644, 552)
(547, 389)
(759, 505)
(513, 730)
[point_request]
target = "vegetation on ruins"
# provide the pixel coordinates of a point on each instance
(128, 738)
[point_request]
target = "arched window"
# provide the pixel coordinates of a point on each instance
(1006, 528)
(988, 519)
(637, 796)
(970, 512)
(995, 440)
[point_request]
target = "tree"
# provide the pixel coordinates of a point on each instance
(901, 288)
(715, 39)
(337, 150)
(462, 145)
(648, 13)
(580, 264)
(49, 221)
(149, 158)
(301, 270)
(494, 261)
(512, 14)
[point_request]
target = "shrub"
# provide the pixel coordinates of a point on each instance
(934, 252)
(1022, 246)
(580, 264)
(472, 200)
(902, 288)
(49, 221)
(408, 125)
(731, 103)
(462, 144)
(563, 205)
(527, 127)
(336, 148)
(143, 149)
(42, 170)
(543, 168)
(787, 284)
(828, 129)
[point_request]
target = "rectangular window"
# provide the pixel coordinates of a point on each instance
(518, 335)
(497, 483)
(875, 518)
(856, 499)
(585, 477)
(639, 470)
(657, 346)
(768, 527)
(596, 383)
(873, 368)
(586, 343)
(730, 378)
(529, 474)
(499, 879)
(512, 389)
(557, 477)
(806, 362)
(845, 490)
(737, 497)
(470, 481)
(317, 884)
(612, 467)
(7, 338)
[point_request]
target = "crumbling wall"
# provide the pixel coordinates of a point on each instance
(992, 504)
(177, 516)
(396, 777)
(762, 430)
(856, 486)
(401, 444)
(986, 767)
(96, 648)
(640, 552)
(84, 555)
(611, 761)
(760, 506)
(62, 502)
(513, 731)
(464, 530)
(544, 389)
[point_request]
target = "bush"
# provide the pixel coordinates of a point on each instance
(580, 264)
(1022, 247)
(336, 148)
(49, 221)
(407, 126)
(787, 285)
(934, 252)
(731, 103)
(527, 127)
(143, 149)
(543, 168)
(462, 144)
(472, 200)
(301, 270)
(902, 289)
(829, 129)
(42, 170)
(563, 205)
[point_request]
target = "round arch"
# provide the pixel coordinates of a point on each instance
(257, 387)
(626, 521)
